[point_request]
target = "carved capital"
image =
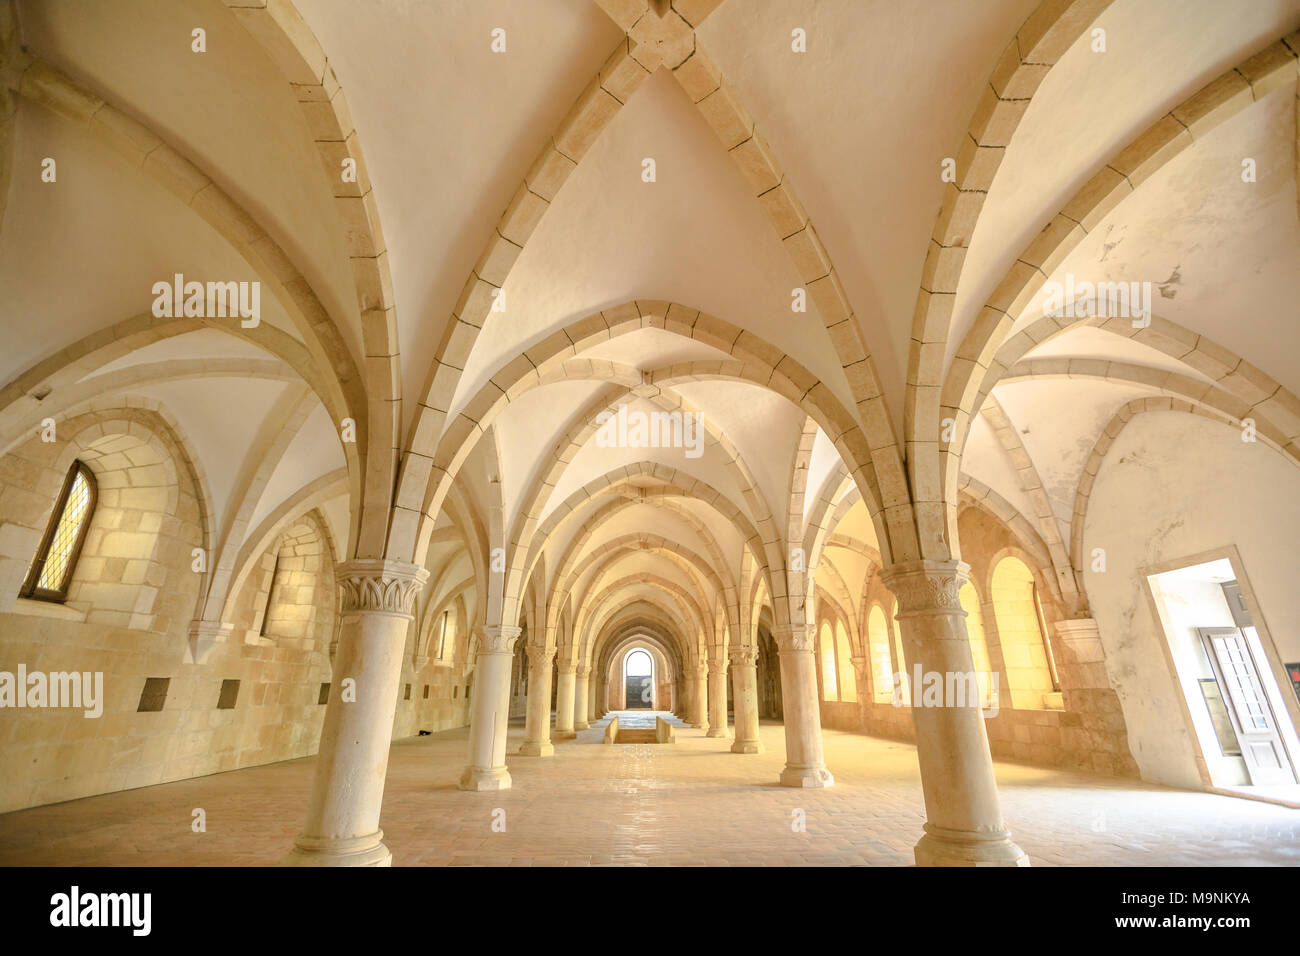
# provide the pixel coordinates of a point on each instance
(927, 587)
(499, 638)
(744, 655)
(794, 638)
(584, 671)
(539, 656)
(379, 586)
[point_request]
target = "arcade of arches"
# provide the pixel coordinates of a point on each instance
(439, 381)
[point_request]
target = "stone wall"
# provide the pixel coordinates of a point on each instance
(131, 601)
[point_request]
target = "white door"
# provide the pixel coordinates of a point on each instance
(1261, 745)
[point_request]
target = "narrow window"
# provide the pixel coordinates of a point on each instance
(442, 635)
(270, 595)
(229, 694)
(1047, 642)
(154, 694)
(51, 572)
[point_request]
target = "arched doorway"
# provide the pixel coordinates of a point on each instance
(639, 680)
(769, 677)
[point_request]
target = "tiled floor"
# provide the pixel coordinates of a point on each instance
(692, 802)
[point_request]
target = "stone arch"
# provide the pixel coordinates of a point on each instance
(46, 86)
(135, 568)
(557, 358)
(975, 368)
(293, 603)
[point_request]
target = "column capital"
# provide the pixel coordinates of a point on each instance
(539, 655)
(1083, 639)
(566, 667)
(376, 585)
(499, 638)
(584, 671)
(927, 587)
(744, 655)
(796, 638)
(860, 665)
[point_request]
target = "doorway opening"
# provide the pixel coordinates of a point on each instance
(1227, 668)
(639, 680)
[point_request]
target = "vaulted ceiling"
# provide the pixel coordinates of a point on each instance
(523, 170)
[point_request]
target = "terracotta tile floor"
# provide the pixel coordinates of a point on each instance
(691, 802)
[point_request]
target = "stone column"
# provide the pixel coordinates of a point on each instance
(490, 712)
(700, 697)
(718, 697)
(744, 683)
(342, 826)
(964, 825)
(564, 703)
(537, 732)
(581, 694)
(805, 765)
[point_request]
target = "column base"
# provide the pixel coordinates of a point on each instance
(564, 735)
(717, 732)
(940, 847)
(530, 748)
(747, 747)
(581, 725)
(481, 778)
(700, 726)
(366, 850)
(807, 777)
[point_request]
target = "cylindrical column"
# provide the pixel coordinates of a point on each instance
(717, 697)
(805, 766)
(564, 688)
(700, 697)
(581, 697)
(964, 825)
(490, 711)
(537, 728)
(744, 684)
(342, 826)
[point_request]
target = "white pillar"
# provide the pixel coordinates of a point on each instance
(964, 825)
(744, 683)
(581, 699)
(342, 826)
(490, 710)
(700, 696)
(564, 688)
(805, 766)
(718, 696)
(537, 732)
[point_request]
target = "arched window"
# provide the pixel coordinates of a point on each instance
(830, 685)
(979, 645)
(882, 667)
(848, 679)
(904, 680)
(442, 635)
(1026, 653)
(56, 558)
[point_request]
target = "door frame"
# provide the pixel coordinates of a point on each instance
(1280, 676)
(1207, 635)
